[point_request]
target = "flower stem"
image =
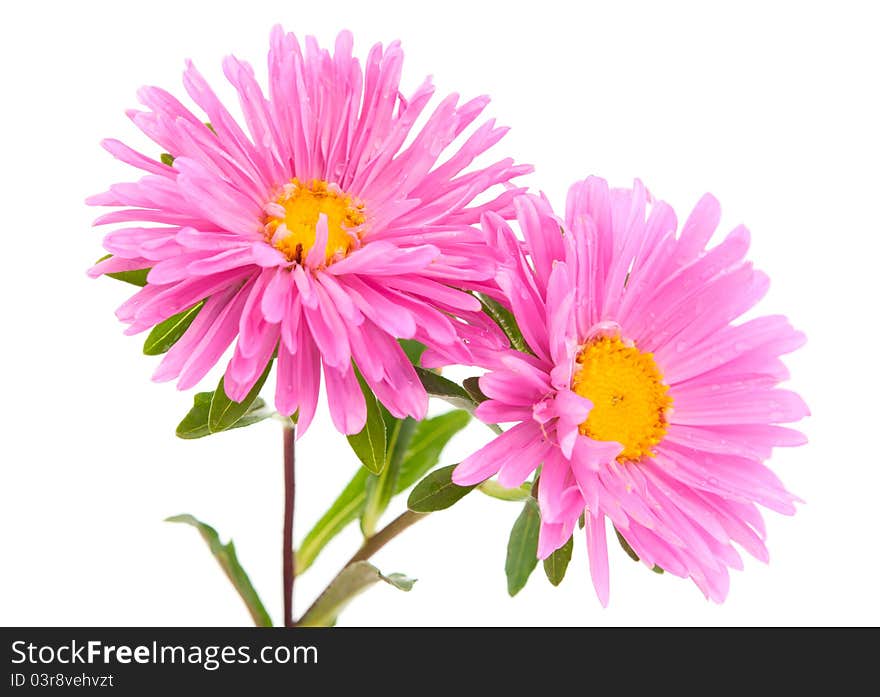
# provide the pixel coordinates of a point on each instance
(289, 568)
(373, 544)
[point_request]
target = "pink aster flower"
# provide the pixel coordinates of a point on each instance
(327, 231)
(642, 401)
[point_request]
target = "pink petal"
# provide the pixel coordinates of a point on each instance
(347, 406)
(491, 457)
(552, 536)
(276, 297)
(298, 381)
(597, 549)
(328, 330)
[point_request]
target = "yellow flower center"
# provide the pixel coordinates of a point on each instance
(629, 398)
(291, 220)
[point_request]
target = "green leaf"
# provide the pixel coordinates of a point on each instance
(226, 557)
(556, 564)
(224, 413)
(370, 443)
(413, 349)
(436, 492)
(167, 158)
(138, 277)
(428, 441)
(506, 321)
(625, 546)
(195, 423)
(492, 488)
(438, 386)
(345, 508)
(426, 445)
(165, 334)
(471, 385)
(400, 581)
(522, 548)
(631, 552)
(380, 489)
(351, 581)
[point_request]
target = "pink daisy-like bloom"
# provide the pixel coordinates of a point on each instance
(329, 232)
(642, 401)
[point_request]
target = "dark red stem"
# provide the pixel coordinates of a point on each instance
(289, 497)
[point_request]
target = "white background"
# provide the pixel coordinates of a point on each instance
(772, 107)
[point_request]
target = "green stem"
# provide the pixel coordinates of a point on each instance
(373, 544)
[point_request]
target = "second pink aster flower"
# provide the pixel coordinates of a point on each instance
(322, 234)
(641, 401)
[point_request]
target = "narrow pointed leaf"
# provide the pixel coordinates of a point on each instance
(351, 581)
(381, 488)
(224, 413)
(438, 386)
(522, 548)
(413, 349)
(165, 334)
(436, 492)
(228, 560)
(195, 423)
(625, 546)
(471, 385)
(556, 564)
(137, 277)
(425, 447)
(492, 488)
(428, 441)
(631, 552)
(370, 443)
(506, 321)
(346, 508)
